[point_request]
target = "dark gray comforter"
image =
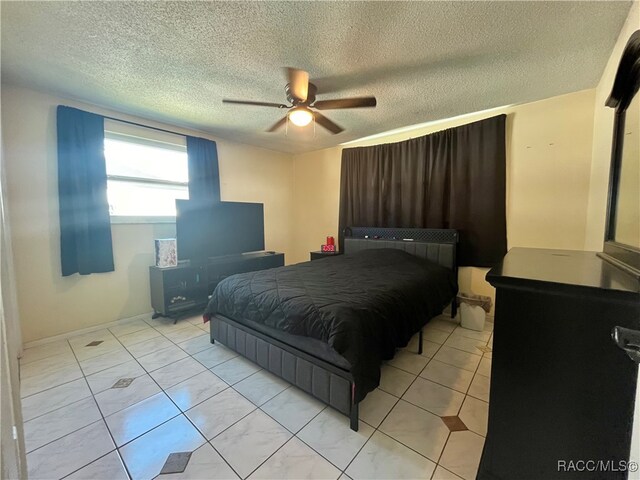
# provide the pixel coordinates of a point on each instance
(364, 305)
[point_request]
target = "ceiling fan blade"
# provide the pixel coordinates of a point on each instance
(356, 102)
(258, 104)
(326, 123)
(278, 124)
(298, 83)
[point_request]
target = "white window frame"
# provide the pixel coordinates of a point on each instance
(144, 136)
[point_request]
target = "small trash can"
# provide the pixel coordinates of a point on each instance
(473, 310)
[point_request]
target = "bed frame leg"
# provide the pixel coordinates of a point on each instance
(353, 416)
(212, 340)
(454, 308)
(420, 343)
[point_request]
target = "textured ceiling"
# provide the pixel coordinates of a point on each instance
(176, 61)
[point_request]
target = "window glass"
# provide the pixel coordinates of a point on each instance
(144, 176)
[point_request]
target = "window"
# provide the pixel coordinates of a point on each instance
(145, 175)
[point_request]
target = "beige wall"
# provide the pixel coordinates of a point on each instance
(548, 163)
(50, 304)
(602, 135)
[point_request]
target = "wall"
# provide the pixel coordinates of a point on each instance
(602, 136)
(50, 304)
(12, 456)
(548, 164)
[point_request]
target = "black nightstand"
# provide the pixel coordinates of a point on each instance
(320, 254)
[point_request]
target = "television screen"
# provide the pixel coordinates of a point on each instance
(224, 228)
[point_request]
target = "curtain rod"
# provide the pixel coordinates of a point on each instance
(144, 126)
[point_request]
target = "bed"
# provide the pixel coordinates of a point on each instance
(326, 326)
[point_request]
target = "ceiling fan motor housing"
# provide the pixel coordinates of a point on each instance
(311, 95)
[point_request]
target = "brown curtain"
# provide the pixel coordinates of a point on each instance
(450, 179)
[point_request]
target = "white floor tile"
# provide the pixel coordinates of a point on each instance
(466, 344)
(444, 323)
(115, 399)
(475, 415)
(39, 383)
(128, 327)
(54, 398)
(183, 334)
(196, 344)
(408, 361)
(85, 352)
(443, 474)
(250, 442)
(176, 372)
(458, 358)
(448, 375)
(78, 342)
(162, 358)
(105, 379)
(293, 408)
(219, 412)
(149, 346)
(164, 324)
(473, 334)
(215, 355)
(261, 387)
(47, 366)
(70, 453)
(434, 335)
(141, 417)
(109, 467)
(196, 389)
(205, 463)
(416, 428)
(144, 420)
(485, 367)
(439, 400)
(295, 460)
(105, 361)
(235, 370)
(138, 337)
(329, 435)
(384, 458)
(375, 406)
(196, 320)
(480, 387)
(429, 349)
(45, 350)
(145, 456)
(462, 454)
(394, 380)
(54, 425)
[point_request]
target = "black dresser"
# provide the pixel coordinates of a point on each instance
(561, 389)
(175, 290)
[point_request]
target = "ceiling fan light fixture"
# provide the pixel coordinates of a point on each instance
(300, 116)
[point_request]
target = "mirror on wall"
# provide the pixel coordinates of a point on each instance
(622, 229)
(627, 215)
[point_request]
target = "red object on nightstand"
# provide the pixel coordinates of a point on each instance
(328, 248)
(330, 241)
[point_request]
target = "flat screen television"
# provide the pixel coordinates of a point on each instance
(224, 228)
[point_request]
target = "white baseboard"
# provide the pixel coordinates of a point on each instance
(62, 336)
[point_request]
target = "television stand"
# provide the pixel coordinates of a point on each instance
(187, 287)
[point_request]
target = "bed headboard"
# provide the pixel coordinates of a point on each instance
(436, 245)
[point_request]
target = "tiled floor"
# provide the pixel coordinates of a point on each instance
(180, 393)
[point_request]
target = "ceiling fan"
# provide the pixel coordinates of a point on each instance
(302, 95)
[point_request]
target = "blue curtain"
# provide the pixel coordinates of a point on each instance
(85, 227)
(204, 177)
